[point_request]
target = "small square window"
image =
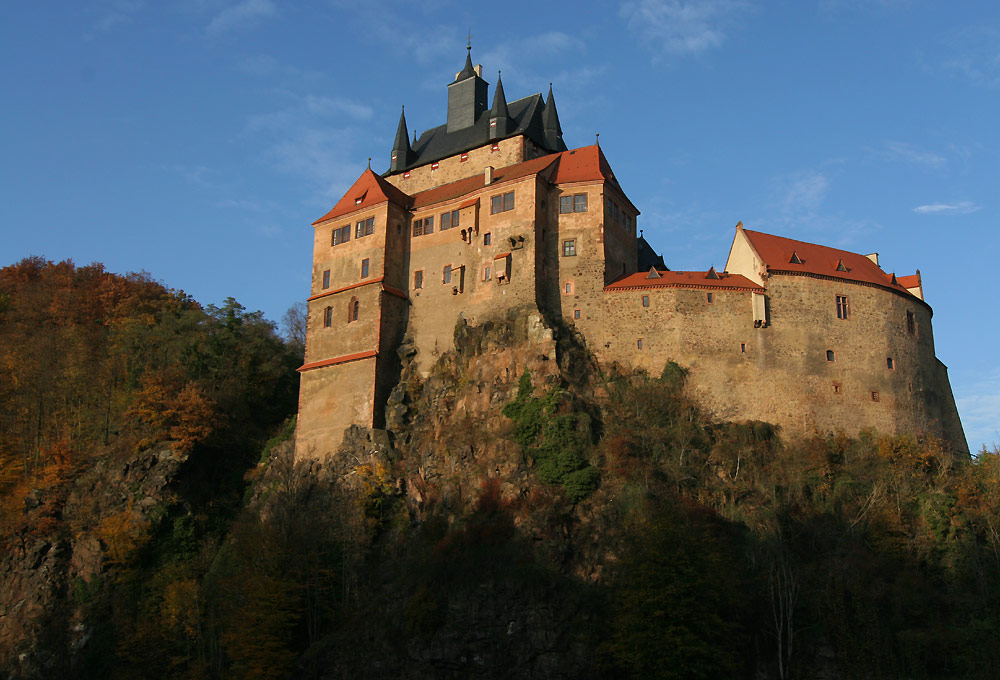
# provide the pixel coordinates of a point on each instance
(874, 395)
(890, 364)
(836, 388)
(710, 297)
(576, 313)
(830, 355)
(364, 227)
(645, 301)
(487, 239)
(326, 278)
(569, 247)
(418, 279)
(364, 268)
(446, 274)
(341, 235)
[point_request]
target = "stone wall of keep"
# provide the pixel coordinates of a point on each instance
(571, 283)
(331, 399)
(344, 260)
(453, 168)
(343, 336)
(436, 307)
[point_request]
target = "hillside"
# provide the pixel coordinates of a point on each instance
(526, 513)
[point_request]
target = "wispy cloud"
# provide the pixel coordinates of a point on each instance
(976, 56)
(908, 153)
(240, 14)
(115, 14)
(681, 26)
(804, 192)
(979, 407)
(958, 208)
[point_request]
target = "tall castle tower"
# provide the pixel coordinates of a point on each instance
(490, 211)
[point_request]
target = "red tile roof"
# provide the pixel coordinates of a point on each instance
(337, 360)
(777, 252)
(586, 164)
(911, 281)
(372, 190)
(467, 185)
(669, 279)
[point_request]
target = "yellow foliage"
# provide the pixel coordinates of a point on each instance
(181, 606)
(121, 534)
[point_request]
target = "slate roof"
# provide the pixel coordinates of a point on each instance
(647, 257)
(669, 279)
(778, 251)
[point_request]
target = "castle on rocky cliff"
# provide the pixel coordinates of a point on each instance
(491, 212)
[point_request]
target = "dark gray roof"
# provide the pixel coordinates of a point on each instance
(526, 119)
(647, 257)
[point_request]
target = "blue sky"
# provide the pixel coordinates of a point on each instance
(198, 139)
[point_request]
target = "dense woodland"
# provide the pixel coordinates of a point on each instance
(153, 524)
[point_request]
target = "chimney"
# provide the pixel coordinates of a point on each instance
(873, 257)
(488, 174)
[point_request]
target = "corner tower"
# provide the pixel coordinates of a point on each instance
(466, 96)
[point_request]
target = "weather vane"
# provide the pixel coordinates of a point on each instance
(468, 38)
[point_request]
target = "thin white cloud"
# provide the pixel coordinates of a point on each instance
(115, 14)
(979, 408)
(959, 208)
(976, 56)
(680, 26)
(908, 153)
(238, 15)
(804, 192)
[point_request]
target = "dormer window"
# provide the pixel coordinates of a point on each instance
(495, 147)
(841, 267)
(795, 259)
(465, 157)
(434, 166)
(406, 175)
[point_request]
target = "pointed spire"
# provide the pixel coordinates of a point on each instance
(550, 124)
(499, 115)
(468, 70)
(402, 153)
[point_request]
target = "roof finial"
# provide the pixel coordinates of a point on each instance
(640, 233)
(597, 138)
(468, 38)
(369, 162)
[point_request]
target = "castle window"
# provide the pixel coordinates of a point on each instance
(364, 268)
(424, 226)
(579, 202)
(487, 239)
(576, 313)
(364, 227)
(341, 235)
(830, 355)
(418, 279)
(449, 220)
(446, 274)
(743, 348)
(502, 203)
(710, 297)
(326, 278)
(487, 273)
(568, 288)
(911, 323)
(890, 364)
(628, 223)
(843, 310)
(327, 317)
(645, 301)
(565, 204)
(836, 388)
(874, 395)
(569, 247)
(638, 343)
(353, 309)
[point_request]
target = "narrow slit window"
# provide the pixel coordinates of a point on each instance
(743, 348)
(830, 356)
(326, 278)
(418, 279)
(890, 364)
(710, 297)
(446, 274)
(911, 323)
(645, 301)
(638, 343)
(327, 317)
(364, 268)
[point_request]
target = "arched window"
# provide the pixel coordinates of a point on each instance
(353, 308)
(327, 317)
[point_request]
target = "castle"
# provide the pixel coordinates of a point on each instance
(491, 211)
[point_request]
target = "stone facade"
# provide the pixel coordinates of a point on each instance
(807, 337)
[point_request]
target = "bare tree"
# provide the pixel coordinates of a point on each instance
(293, 326)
